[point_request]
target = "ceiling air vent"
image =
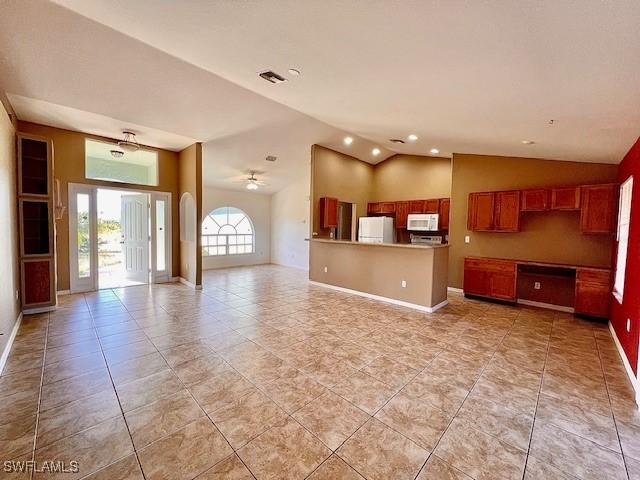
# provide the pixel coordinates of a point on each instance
(271, 158)
(272, 77)
(396, 140)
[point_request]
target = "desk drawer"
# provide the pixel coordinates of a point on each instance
(490, 265)
(592, 275)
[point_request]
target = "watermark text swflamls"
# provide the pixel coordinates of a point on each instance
(47, 466)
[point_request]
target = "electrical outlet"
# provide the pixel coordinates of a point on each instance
(628, 324)
(17, 294)
(326, 269)
(404, 284)
(467, 239)
(536, 285)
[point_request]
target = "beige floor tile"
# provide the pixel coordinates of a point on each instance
(507, 394)
(201, 368)
(539, 470)
(183, 353)
(633, 468)
(125, 469)
(55, 372)
(630, 439)
(186, 453)
(148, 389)
(379, 453)
(575, 455)
(438, 469)
(389, 371)
(444, 394)
(137, 368)
(365, 392)
(479, 455)
(158, 419)
(284, 451)
(293, 390)
(28, 380)
(331, 418)
(74, 388)
(16, 437)
(247, 417)
(93, 449)
(215, 393)
(122, 353)
(416, 419)
(18, 405)
(231, 468)
(334, 468)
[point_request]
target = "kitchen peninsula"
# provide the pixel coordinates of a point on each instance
(380, 271)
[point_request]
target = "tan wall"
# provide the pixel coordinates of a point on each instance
(68, 148)
(334, 174)
(411, 177)
(545, 236)
(190, 181)
(9, 270)
(379, 270)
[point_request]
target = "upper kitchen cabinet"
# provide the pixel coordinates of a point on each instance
(402, 212)
(431, 206)
(373, 207)
(534, 200)
(480, 213)
(416, 206)
(443, 211)
(598, 209)
(328, 212)
(387, 207)
(507, 211)
(565, 198)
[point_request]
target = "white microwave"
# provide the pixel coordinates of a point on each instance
(422, 222)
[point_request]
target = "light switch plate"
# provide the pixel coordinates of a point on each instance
(467, 239)
(404, 284)
(326, 269)
(536, 285)
(628, 324)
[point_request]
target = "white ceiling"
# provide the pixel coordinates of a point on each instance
(474, 77)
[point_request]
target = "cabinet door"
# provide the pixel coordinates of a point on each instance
(480, 212)
(598, 210)
(592, 299)
(329, 212)
(476, 282)
(37, 284)
(507, 211)
(443, 218)
(416, 206)
(534, 200)
(387, 207)
(502, 285)
(402, 210)
(373, 207)
(567, 198)
(431, 206)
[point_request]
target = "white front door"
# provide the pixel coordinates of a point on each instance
(134, 220)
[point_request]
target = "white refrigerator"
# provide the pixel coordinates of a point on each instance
(376, 230)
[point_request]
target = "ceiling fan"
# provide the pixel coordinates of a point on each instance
(252, 181)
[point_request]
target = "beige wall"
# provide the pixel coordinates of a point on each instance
(401, 177)
(9, 270)
(68, 157)
(545, 236)
(411, 177)
(190, 181)
(380, 270)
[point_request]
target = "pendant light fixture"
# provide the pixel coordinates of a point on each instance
(129, 143)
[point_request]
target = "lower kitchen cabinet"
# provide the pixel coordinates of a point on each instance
(593, 289)
(490, 278)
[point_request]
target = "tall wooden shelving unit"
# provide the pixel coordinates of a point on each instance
(37, 225)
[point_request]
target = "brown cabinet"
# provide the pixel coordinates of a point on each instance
(443, 211)
(490, 278)
(507, 211)
(480, 213)
(387, 207)
(416, 206)
(534, 200)
(593, 287)
(431, 206)
(328, 212)
(402, 211)
(565, 198)
(373, 207)
(598, 208)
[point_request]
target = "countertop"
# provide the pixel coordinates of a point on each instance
(543, 264)
(389, 245)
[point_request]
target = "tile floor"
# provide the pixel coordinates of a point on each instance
(264, 375)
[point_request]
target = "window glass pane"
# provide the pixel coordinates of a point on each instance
(209, 226)
(139, 167)
(227, 229)
(160, 236)
(624, 218)
(227, 226)
(233, 249)
(222, 250)
(244, 226)
(84, 236)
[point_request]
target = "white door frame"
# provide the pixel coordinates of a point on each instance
(91, 283)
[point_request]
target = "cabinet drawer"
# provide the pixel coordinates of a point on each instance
(593, 276)
(490, 265)
(592, 299)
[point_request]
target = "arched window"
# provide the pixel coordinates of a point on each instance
(227, 231)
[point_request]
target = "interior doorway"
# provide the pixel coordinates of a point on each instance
(118, 237)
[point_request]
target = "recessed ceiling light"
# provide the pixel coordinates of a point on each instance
(413, 137)
(396, 140)
(435, 151)
(294, 71)
(376, 152)
(528, 142)
(348, 140)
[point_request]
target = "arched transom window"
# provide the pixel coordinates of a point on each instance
(227, 231)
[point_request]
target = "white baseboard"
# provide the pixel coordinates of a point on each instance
(634, 380)
(33, 311)
(7, 348)
(455, 290)
(64, 292)
(415, 306)
(549, 306)
(189, 284)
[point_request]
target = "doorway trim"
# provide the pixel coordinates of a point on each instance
(91, 283)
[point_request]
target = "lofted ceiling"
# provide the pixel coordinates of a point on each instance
(472, 77)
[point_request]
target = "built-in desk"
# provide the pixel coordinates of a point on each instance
(575, 288)
(378, 270)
